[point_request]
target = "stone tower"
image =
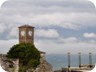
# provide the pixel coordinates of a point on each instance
(26, 34)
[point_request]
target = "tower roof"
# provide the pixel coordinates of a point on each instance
(23, 26)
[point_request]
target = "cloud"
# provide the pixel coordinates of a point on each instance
(57, 19)
(13, 33)
(71, 44)
(50, 33)
(62, 13)
(62, 48)
(82, 4)
(2, 28)
(89, 35)
(68, 40)
(5, 45)
(69, 20)
(70, 25)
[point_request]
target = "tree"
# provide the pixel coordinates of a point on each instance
(28, 55)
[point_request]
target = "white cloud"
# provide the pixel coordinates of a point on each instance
(67, 20)
(50, 33)
(56, 48)
(2, 28)
(45, 12)
(69, 14)
(13, 33)
(69, 25)
(5, 45)
(92, 41)
(68, 40)
(51, 47)
(89, 35)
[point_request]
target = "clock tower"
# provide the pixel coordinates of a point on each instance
(26, 34)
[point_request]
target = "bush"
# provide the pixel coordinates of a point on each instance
(28, 55)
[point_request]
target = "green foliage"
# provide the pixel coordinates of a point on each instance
(28, 55)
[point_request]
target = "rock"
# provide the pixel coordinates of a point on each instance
(44, 67)
(10, 65)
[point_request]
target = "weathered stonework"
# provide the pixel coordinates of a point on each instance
(44, 67)
(10, 65)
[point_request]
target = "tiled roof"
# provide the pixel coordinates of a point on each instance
(26, 26)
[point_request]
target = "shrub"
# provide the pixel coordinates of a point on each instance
(28, 55)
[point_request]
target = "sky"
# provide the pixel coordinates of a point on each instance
(61, 26)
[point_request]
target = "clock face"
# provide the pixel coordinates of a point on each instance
(23, 33)
(30, 33)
